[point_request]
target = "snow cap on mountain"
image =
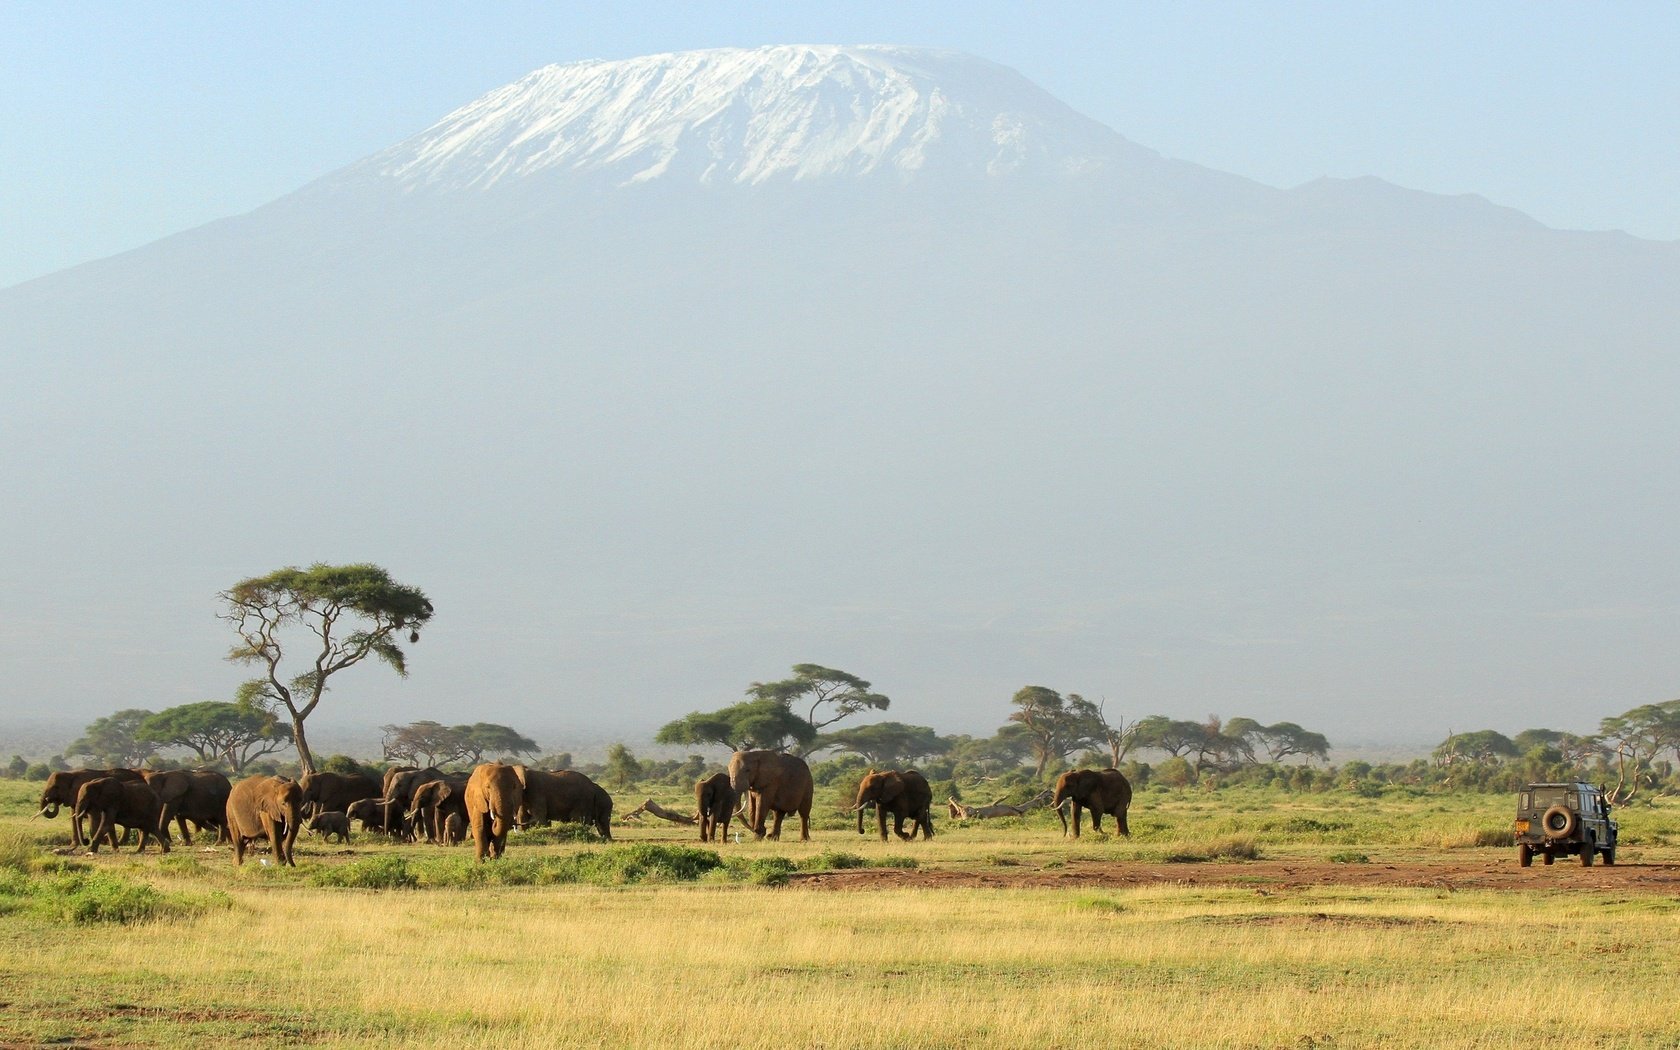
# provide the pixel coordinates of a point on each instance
(755, 115)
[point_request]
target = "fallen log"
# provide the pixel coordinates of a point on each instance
(654, 809)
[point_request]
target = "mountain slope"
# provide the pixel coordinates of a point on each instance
(662, 375)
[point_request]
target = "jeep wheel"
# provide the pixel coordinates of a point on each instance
(1560, 822)
(1547, 855)
(1610, 856)
(1587, 851)
(1525, 854)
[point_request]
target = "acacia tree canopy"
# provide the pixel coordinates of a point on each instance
(741, 727)
(116, 740)
(887, 743)
(218, 731)
(300, 627)
(813, 687)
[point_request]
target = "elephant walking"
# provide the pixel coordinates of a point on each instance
(780, 785)
(265, 808)
(1100, 791)
(107, 802)
(494, 795)
(904, 794)
(714, 802)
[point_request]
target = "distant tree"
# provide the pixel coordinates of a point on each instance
(17, 767)
(1055, 726)
(1484, 746)
(424, 743)
(115, 740)
(489, 739)
(1118, 736)
(1176, 737)
(215, 731)
(814, 687)
(341, 615)
(1283, 739)
(887, 744)
(978, 757)
(1636, 739)
(558, 760)
(751, 724)
(623, 768)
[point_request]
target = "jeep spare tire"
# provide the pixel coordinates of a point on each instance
(1559, 822)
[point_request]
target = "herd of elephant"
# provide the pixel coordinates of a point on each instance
(760, 787)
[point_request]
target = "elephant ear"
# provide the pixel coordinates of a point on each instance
(891, 788)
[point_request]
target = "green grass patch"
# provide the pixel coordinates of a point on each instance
(82, 896)
(1349, 856)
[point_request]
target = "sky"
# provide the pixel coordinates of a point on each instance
(126, 122)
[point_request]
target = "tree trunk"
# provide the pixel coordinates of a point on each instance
(305, 759)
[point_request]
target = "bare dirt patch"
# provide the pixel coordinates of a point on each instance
(1261, 875)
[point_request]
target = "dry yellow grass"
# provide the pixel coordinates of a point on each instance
(742, 967)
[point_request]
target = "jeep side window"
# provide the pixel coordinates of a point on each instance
(1527, 802)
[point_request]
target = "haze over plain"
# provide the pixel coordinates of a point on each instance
(660, 378)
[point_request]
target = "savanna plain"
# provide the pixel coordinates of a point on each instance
(1234, 918)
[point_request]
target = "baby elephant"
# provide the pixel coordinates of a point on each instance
(329, 824)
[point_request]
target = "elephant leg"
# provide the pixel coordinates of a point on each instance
(776, 829)
(805, 823)
(239, 849)
(881, 819)
(1076, 808)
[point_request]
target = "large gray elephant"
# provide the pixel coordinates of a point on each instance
(1098, 790)
(62, 787)
(108, 802)
(198, 795)
(567, 796)
(780, 784)
(902, 793)
(265, 808)
(401, 786)
(334, 792)
(494, 796)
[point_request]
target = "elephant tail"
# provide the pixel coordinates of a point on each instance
(1125, 829)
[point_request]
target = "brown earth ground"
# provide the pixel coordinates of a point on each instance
(1264, 875)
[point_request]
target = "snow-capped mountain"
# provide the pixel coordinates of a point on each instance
(752, 116)
(663, 375)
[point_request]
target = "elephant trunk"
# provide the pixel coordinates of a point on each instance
(48, 810)
(860, 807)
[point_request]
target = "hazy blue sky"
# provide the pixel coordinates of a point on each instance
(124, 122)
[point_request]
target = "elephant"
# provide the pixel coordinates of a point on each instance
(566, 796)
(432, 805)
(198, 795)
(61, 788)
(455, 829)
(265, 808)
(391, 773)
(714, 801)
(494, 795)
(903, 793)
(1100, 791)
(378, 814)
(400, 786)
(107, 802)
(782, 785)
(335, 791)
(330, 824)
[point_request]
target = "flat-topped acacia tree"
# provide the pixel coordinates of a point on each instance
(333, 617)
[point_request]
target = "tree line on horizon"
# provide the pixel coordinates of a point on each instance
(328, 618)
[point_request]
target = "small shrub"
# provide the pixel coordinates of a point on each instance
(1105, 905)
(763, 871)
(896, 862)
(1349, 856)
(833, 860)
(375, 873)
(1237, 847)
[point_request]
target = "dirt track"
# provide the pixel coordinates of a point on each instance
(1262, 874)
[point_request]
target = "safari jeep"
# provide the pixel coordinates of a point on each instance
(1564, 820)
